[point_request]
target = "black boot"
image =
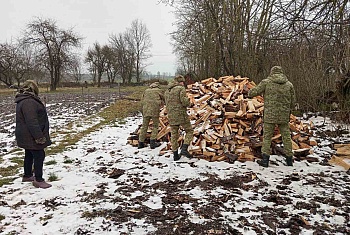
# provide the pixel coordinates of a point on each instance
(184, 151)
(265, 160)
(141, 145)
(154, 144)
(176, 156)
(289, 161)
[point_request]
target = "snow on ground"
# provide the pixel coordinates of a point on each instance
(105, 186)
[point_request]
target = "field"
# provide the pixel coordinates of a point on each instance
(102, 185)
(69, 110)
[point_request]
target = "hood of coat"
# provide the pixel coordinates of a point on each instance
(31, 86)
(154, 85)
(277, 75)
(26, 95)
(173, 84)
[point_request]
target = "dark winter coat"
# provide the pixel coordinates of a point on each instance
(32, 123)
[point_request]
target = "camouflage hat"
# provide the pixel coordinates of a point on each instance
(179, 78)
(276, 69)
(154, 85)
(30, 85)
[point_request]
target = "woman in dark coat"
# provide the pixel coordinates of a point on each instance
(32, 132)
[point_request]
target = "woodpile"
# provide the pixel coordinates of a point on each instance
(228, 126)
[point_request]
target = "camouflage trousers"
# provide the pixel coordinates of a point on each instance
(175, 134)
(144, 128)
(286, 138)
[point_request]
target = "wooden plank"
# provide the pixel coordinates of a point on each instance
(304, 145)
(208, 138)
(222, 158)
(211, 134)
(229, 96)
(226, 130)
(209, 154)
(295, 146)
(243, 106)
(244, 149)
(245, 157)
(340, 162)
(203, 144)
(162, 125)
(205, 81)
(135, 142)
(257, 104)
(203, 98)
(251, 107)
(293, 127)
(296, 137)
(343, 150)
(301, 152)
(202, 89)
(230, 114)
(243, 123)
(240, 137)
(216, 146)
(312, 142)
(239, 114)
(215, 158)
(163, 132)
(303, 138)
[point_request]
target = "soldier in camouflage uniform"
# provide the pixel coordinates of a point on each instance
(152, 99)
(176, 102)
(279, 100)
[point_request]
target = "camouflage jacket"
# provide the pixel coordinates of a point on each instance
(176, 102)
(152, 100)
(279, 97)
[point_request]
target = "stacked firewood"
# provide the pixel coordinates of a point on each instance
(227, 124)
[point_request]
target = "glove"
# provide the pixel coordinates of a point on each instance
(41, 140)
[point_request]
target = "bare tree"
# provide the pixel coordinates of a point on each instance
(15, 63)
(139, 39)
(53, 46)
(112, 65)
(124, 55)
(74, 70)
(309, 38)
(216, 37)
(96, 58)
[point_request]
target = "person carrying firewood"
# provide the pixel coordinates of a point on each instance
(152, 100)
(176, 102)
(279, 100)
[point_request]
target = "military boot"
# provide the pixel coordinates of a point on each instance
(176, 155)
(141, 145)
(289, 161)
(265, 160)
(153, 144)
(184, 151)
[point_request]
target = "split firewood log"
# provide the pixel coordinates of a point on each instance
(227, 124)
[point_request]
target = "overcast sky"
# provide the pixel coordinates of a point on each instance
(95, 20)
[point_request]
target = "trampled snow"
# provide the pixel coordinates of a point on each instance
(85, 200)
